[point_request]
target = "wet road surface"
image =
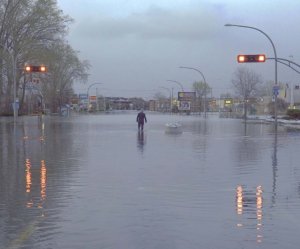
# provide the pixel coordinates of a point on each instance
(94, 181)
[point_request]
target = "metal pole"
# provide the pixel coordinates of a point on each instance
(178, 83)
(275, 54)
(205, 85)
(172, 101)
(89, 90)
(169, 97)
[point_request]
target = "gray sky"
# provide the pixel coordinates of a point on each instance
(135, 46)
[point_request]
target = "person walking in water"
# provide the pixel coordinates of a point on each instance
(140, 119)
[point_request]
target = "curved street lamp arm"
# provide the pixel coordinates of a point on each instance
(275, 54)
(91, 86)
(286, 64)
(205, 85)
(197, 71)
(177, 83)
(282, 59)
(250, 27)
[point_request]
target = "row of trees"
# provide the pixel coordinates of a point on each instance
(33, 32)
(248, 84)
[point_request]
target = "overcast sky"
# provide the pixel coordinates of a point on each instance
(135, 46)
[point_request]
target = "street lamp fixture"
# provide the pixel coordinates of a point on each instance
(205, 85)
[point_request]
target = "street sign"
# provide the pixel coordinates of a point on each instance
(275, 90)
(184, 106)
(83, 96)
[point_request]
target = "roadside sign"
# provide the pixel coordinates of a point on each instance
(228, 102)
(93, 98)
(83, 96)
(276, 90)
(184, 106)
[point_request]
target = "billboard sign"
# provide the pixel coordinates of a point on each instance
(186, 96)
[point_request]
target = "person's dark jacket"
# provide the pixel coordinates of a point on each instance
(141, 117)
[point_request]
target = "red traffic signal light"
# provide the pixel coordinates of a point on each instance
(40, 69)
(244, 58)
(43, 68)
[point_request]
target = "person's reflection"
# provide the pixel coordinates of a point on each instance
(140, 141)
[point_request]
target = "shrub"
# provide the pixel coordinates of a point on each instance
(293, 113)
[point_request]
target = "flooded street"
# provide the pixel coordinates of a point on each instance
(95, 182)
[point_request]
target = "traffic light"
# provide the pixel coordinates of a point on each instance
(36, 69)
(244, 58)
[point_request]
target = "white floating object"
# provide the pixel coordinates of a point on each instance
(173, 128)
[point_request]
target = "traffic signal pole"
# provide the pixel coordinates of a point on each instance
(275, 55)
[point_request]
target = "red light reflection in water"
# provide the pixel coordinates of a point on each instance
(43, 182)
(258, 201)
(43, 179)
(239, 200)
(259, 214)
(28, 175)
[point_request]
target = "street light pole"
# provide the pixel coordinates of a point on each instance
(178, 83)
(14, 69)
(170, 92)
(89, 90)
(205, 85)
(275, 55)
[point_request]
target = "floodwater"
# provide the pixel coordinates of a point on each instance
(95, 182)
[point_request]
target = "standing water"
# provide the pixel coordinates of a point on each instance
(94, 181)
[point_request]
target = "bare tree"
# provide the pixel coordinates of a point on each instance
(245, 83)
(201, 89)
(26, 26)
(163, 101)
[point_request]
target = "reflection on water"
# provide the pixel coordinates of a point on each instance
(239, 199)
(25, 154)
(43, 180)
(28, 175)
(78, 183)
(274, 166)
(248, 204)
